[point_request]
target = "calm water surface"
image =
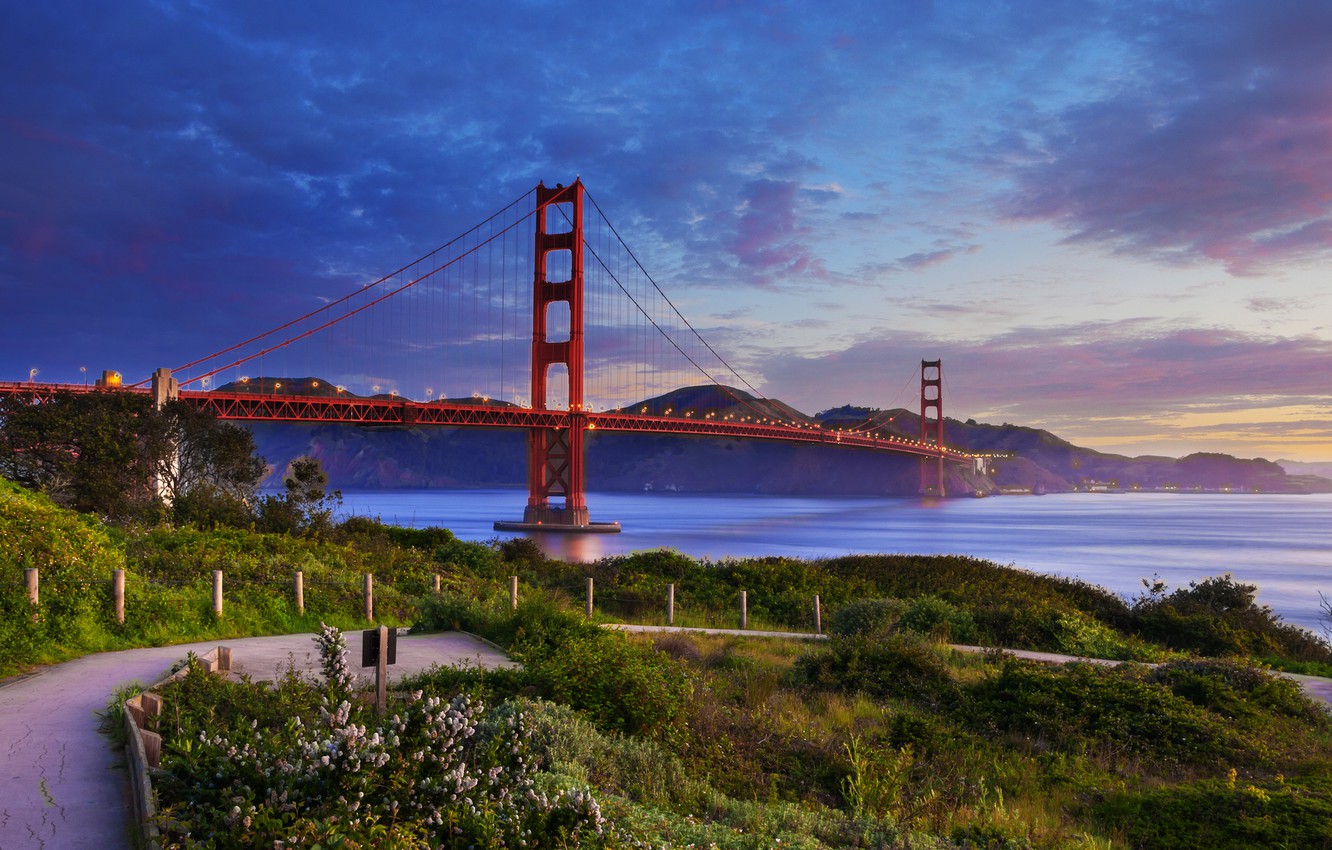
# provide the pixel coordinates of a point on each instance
(1283, 544)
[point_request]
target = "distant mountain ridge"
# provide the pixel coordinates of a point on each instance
(1018, 459)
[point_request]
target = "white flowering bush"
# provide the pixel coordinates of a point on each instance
(333, 659)
(244, 768)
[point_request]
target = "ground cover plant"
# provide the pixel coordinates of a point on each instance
(890, 740)
(168, 579)
(955, 598)
(306, 764)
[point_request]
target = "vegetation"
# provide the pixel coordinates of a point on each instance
(168, 579)
(115, 455)
(736, 742)
(882, 736)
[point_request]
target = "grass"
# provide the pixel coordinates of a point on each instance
(753, 743)
(881, 736)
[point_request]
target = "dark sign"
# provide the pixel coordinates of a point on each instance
(370, 647)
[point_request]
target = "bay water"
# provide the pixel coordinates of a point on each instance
(1282, 544)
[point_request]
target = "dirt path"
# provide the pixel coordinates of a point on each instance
(62, 787)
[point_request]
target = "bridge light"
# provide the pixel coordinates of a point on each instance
(314, 384)
(245, 379)
(341, 388)
(277, 385)
(32, 373)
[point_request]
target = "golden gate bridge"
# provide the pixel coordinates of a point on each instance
(599, 336)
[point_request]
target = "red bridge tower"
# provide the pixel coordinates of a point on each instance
(555, 454)
(931, 430)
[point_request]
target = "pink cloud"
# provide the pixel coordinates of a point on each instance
(1063, 377)
(768, 236)
(1225, 153)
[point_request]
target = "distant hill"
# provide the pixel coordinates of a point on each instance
(1295, 467)
(1020, 459)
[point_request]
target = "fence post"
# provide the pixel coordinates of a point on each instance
(30, 579)
(370, 596)
(513, 592)
(670, 604)
(744, 609)
(298, 583)
(381, 672)
(818, 616)
(435, 583)
(217, 593)
(589, 596)
(118, 595)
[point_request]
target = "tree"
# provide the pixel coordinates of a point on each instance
(307, 506)
(211, 473)
(113, 453)
(87, 451)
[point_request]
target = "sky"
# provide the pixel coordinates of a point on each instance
(1109, 219)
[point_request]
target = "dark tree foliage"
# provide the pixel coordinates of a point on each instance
(115, 454)
(307, 505)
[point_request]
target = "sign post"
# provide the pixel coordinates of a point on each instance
(379, 649)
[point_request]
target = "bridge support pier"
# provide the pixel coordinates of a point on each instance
(555, 455)
(931, 430)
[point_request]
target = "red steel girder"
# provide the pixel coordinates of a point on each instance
(347, 410)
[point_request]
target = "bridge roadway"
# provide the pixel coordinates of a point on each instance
(254, 407)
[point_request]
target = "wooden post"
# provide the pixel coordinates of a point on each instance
(513, 592)
(152, 748)
(370, 596)
(118, 595)
(589, 596)
(30, 579)
(744, 609)
(381, 672)
(217, 592)
(435, 583)
(298, 582)
(670, 604)
(818, 616)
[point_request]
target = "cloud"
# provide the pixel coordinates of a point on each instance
(1218, 148)
(1073, 379)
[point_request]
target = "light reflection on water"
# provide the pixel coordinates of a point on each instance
(1281, 543)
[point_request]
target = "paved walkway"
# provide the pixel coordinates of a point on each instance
(1315, 687)
(62, 787)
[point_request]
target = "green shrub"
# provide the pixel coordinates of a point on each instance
(622, 686)
(866, 617)
(1075, 633)
(934, 617)
(896, 665)
(1220, 617)
(1221, 815)
(1236, 690)
(1071, 706)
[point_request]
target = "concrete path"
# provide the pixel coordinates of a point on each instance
(62, 787)
(1314, 687)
